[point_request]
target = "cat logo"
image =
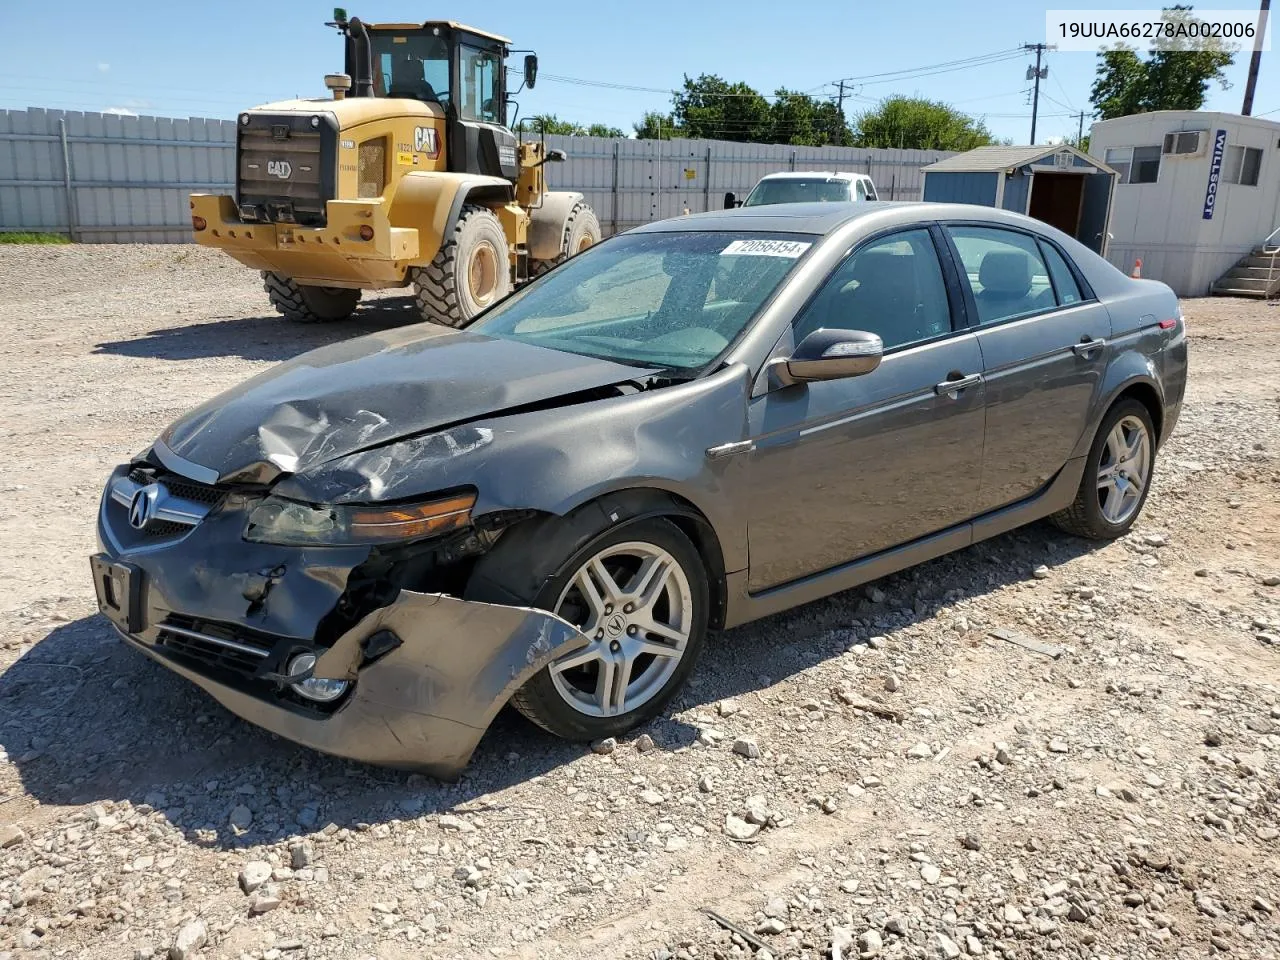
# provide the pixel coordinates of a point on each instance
(425, 140)
(279, 168)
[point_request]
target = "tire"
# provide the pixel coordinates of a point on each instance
(565, 699)
(470, 273)
(304, 304)
(1095, 513)
(581, 230)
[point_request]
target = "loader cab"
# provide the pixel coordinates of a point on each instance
(463, 71)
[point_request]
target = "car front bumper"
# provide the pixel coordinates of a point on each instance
(427, 672)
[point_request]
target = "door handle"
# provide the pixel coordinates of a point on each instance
(953, 386)
(1087, 346)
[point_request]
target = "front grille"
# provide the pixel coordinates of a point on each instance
(179, 486)
(285, 168)
(239, 652)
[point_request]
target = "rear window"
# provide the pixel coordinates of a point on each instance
(797, 190)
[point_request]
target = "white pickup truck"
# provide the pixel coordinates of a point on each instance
(811, 186)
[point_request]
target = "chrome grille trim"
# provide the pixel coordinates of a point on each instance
(216, 641)
(170, 509)
(182, 466)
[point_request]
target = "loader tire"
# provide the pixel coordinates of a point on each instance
(303, 304)
(581, 230)
(470, 273)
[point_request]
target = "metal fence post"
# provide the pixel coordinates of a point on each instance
(66, 179)
(706, 187)
(613, 228)
(793, 161)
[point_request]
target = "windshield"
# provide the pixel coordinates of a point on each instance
(673, 300)
(796, 190)
(411, 65)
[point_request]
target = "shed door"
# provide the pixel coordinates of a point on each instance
(1095, 212)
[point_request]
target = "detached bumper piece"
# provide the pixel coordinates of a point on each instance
(412, 684)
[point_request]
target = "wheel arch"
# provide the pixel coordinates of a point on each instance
(432, 203)
(547, 222)
(506, 575)
(1132, 375)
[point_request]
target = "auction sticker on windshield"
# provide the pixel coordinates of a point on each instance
(766, 248)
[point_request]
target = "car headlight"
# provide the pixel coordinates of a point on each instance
(281, 521)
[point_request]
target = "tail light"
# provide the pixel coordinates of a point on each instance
(366, 232)
(1168, 324)
(199, 223)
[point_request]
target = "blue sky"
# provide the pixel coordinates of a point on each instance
(185, 59)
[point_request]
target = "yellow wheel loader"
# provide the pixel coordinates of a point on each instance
(408, 176)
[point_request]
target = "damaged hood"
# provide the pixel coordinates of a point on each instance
(372, 390)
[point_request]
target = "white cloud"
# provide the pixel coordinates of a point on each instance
(121, 111)
(104, 67)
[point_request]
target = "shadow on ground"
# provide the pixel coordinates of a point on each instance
(261, 338)
(88, 720)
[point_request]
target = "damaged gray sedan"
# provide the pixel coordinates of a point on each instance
(374, 547)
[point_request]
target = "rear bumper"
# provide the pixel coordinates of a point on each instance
(332, 255)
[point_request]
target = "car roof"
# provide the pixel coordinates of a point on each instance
(820, 219)
(810, 174)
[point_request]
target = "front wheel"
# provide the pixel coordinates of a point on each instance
(1117, 475)
(640, 593)
(470, 273)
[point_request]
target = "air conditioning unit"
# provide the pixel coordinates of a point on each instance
(1186, 143)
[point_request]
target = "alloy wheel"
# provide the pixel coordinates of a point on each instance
(1123, 470)
(635, 602)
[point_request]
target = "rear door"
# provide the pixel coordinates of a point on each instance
(845, 468)
(1043, 337)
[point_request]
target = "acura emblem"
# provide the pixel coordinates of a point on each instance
(142, 508)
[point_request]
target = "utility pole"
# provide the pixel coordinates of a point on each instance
(1256, 60)
(1037, 74)
(1080, 131)
(839, 134)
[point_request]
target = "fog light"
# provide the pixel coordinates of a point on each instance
(314, 688)
(199, 223)
(366, 232)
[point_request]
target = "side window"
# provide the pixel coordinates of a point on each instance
(478, 71)
(892, 286)
(861, 191)
(871, 190)
(1004, 270)
(1064, 281)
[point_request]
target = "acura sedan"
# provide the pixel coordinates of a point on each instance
(374, 547)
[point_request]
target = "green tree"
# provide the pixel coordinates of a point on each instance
(913, 123)
(603, 130)
(657, 126)
(712, 108)
(799, 119)
(1172, 77)
(550, 124)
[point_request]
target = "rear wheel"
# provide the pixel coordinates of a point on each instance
(640, 593)
(307, 304)
(470, 273)
(581, 230)
(1117, 475)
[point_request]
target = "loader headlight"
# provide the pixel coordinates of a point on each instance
(315, 121)
(244, 119)
(280, 521)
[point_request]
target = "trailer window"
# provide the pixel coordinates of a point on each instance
(1135, 164)
(479, 74)
(1241, 165)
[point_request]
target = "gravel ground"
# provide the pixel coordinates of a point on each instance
(872, 775)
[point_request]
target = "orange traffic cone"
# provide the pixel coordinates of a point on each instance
(1137, 269)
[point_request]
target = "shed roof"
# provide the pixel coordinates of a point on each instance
(993, 159)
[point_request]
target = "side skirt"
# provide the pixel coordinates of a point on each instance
(1056, 495)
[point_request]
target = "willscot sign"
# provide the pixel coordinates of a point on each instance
(1215, 173)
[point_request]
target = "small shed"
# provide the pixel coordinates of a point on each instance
(1058, 184)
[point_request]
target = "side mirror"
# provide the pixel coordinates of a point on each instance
(556, 156)
(828, 355)
(730, 200)
(530, 69)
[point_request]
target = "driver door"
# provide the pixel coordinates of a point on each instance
(845, 468)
